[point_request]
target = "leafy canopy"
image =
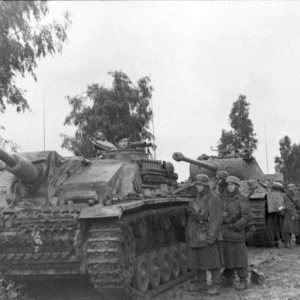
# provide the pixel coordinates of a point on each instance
(23, 40)
(123, 108)
(242, 134)
(288, 163)
(6, 144)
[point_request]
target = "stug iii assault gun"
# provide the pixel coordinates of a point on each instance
(263, 191)
(113, 220)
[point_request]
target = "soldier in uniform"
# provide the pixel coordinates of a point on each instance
(203, 233)
(291, 218)
(221, 187)
(236, 216)
(122, 141)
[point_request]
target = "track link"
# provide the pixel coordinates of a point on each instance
(262, 235)
(111, 263)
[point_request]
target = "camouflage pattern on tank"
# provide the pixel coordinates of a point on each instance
(112, 219)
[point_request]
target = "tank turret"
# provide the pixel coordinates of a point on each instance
(265, 199)
(20, 167)
(243, 167)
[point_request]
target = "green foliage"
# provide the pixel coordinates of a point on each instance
(288, 163)
(23, 40)
(242, 134)
(122, 108)
(7, 145)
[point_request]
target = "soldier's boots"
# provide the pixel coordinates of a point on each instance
(228, 281)
(228, 277)
(287, 240)
(242, 285)
(197, 285)
(214, 289)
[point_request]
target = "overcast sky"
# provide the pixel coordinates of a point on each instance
(200, 57)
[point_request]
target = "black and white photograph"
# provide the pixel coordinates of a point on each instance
(149, 150)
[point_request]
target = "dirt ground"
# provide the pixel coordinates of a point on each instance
(280, 266)
(281, 269)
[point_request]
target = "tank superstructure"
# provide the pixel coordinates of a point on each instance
(264, 191)
(113, 219)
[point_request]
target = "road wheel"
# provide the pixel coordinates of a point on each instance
(175, 261)
(155, 275)
(141, 275)
(183, 258)
(165, 265)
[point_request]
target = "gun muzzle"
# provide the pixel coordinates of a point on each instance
(20, 166)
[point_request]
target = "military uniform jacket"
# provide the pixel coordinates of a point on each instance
(222, 192)
(291, 217)
(238, 215)
(205, 220)
(290, 209)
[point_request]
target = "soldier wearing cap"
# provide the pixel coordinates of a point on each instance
(236, 216)
(122, 141)
(291, 219)
(203, 234)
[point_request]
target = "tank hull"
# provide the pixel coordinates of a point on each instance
(130, 250)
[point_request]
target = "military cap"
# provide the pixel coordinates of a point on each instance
(291, 187)
(222, 174)
(121, 137)
(233, 179)
(201, 179)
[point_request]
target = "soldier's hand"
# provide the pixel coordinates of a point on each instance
(293, 218)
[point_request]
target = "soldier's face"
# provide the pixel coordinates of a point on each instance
(231, 187)
(200, 188)
(123, 143)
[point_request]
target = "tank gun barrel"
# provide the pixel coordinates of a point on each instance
(20, 166)
(139, 144)
(214, 167)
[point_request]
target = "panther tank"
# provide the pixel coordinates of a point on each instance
(264, 191)
(116, 220)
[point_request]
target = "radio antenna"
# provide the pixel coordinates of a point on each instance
(153, 131)
(266, 147)
(44, 121)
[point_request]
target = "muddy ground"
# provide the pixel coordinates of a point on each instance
(281, 268)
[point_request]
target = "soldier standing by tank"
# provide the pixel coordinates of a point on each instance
(221, 187)
(205, 220)
(236, 216)
(122, 141)
(291, 218)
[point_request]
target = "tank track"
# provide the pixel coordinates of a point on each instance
(118, 269)
(260, 233)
